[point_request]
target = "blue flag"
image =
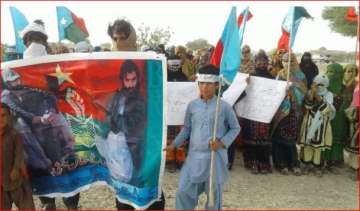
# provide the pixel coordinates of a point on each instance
(230, 60)
(70, 26)
(20, 23)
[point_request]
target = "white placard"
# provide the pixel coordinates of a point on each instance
(235, 89)
(263, 98)
(179, 96)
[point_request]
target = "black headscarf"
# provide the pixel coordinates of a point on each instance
(262, 70)
(309, 68)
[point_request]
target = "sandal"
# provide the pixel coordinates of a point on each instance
(284, 171)
(297, 171)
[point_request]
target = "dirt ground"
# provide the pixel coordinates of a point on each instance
(246, 191)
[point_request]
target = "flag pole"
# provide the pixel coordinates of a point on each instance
(288, 69)
(289, 46)
(212, 161)
(357, 38)
(243, 28)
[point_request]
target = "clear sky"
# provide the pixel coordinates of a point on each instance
(188, 20)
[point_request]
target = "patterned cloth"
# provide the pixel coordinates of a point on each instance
(289, 115)
(256, 132)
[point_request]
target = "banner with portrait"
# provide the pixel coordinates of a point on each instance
(91, 118)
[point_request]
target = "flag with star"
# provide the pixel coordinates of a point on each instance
(79, 147)
(70, 26)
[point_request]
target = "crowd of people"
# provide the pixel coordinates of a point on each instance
(315, 130)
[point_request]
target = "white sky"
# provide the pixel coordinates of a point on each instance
(188, 21)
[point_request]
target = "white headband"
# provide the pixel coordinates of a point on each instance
(207, 78)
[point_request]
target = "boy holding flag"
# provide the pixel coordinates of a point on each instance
(198, 126)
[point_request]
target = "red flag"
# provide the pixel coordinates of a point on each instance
(216, 54)
(351, 15)
(80, 23)
(95, 89)
(241, 17)
(283, 42)
(290, 26)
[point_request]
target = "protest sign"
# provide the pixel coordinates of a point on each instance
(262, 100)
(90, 119)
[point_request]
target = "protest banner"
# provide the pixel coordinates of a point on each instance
(91, 118)
(262, 100)
(236, 88)
(179, 96)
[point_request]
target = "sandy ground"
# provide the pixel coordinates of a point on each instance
(247, 191)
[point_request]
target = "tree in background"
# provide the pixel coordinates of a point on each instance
(198, 44)
(337, 21)
(152, 37)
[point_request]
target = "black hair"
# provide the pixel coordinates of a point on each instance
(35, 35)
(120, 26)
(128, 67)
(209, 69)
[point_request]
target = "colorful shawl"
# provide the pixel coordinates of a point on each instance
(297, 91)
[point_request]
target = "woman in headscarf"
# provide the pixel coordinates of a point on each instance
(340, 124)
(349, 81)
(186, 65)
(247, 64)
(351, 151)
(309, 68)
(256, 135)
(287, 120)
(276, 62)
(351, 143)
(316, 134)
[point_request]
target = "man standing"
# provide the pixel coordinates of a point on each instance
(123, 37)
(127, 111)
(15, 184)
(198, 125)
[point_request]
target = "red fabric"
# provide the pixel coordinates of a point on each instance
(216, 55)
(351, 15)
(80, 23)
(283, 42)
(95, 81)
(241, 17)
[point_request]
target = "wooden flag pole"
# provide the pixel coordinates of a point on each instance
(357, 39)
(289, 52)
(289, 61)
(212, 161)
